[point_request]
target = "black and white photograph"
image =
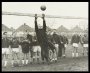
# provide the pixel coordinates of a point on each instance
(44, 36)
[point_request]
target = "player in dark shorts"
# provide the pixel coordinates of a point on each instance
(65, 42)
(25, 50)
(84, 43)
(36, 50)
(14, 44)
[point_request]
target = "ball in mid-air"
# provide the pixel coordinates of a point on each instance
(43, 7)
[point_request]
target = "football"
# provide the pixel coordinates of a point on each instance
(43, 7)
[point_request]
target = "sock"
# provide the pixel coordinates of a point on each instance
(18, 61)
(26, 61)
(83, 53)
(37, 57)
(5, 64)
(64, 55)
(87, 52)
(55, 59)
(12, 62)
(76, 54)
(33, 59)
(23, 61)
(38, 60)
(72, 54)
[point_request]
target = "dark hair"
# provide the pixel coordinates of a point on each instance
(84, 35)
(4, 33)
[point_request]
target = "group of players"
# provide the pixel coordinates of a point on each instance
(28, 50)
(40, 47)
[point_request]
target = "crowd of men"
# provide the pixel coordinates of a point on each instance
(28, 50)
(40, 47)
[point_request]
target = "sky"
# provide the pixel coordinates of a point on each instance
(77, 9)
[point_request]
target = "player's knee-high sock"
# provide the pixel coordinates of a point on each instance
(38, 59)
(34, 57)
(87, 51)
(26, 58)
(73, 54)
(23, 59)
(5, 63)
(76, 53)
(12, 62)
(38, 56)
